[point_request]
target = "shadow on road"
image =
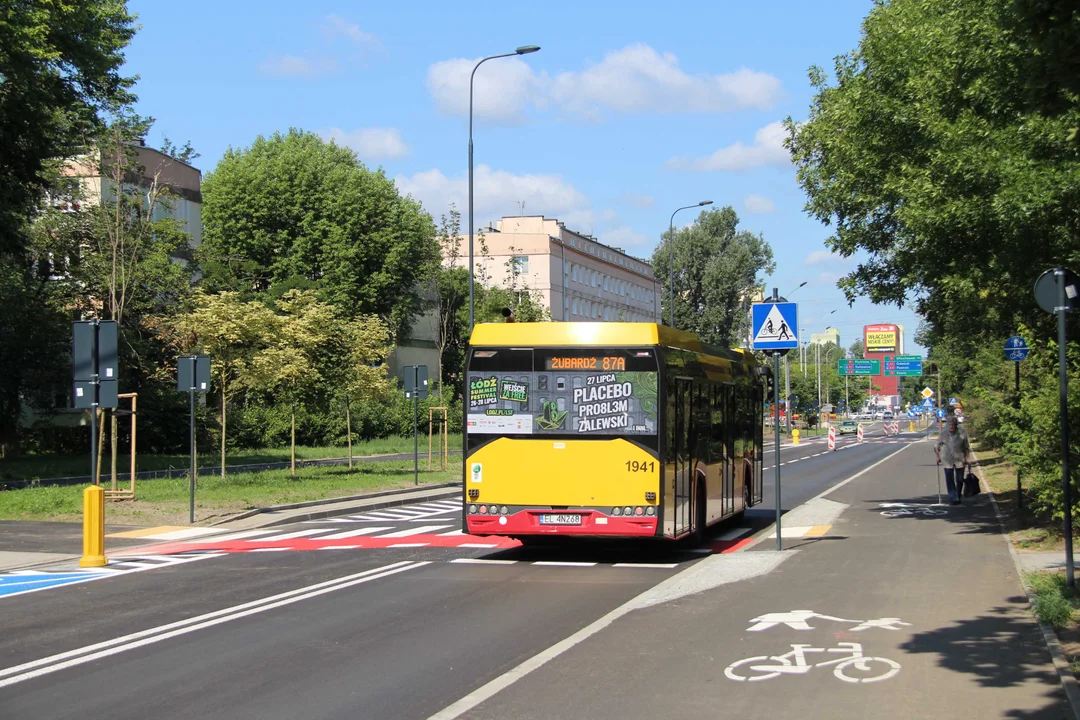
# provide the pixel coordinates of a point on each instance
(1001, 648)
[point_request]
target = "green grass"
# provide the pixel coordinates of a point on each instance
(30, 467)
(1055, 602)
(165, 501)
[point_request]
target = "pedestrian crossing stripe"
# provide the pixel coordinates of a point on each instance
(21, 582)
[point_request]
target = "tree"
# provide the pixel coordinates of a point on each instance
(717, 269)
(359, 371)
(293, 365)
(60, 68)
(927, 154)
(448, 289)
(294, 207)
(230, 331)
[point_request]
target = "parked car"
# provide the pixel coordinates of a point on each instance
(887, 415)
(848, 427)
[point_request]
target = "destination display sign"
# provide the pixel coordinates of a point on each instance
(903, 365)
(858, 367)
(593, 362)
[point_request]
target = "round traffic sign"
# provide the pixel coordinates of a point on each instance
(1047, 290)
(1016, 349)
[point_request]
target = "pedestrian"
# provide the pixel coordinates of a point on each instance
(953, 447)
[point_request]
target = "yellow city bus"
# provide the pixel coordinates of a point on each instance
(607, 429)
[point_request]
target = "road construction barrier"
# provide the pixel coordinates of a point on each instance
(859, 433)
(832, 438)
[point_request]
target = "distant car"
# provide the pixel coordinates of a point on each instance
(887, 415)
(848, 427)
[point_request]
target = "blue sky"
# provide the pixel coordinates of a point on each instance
(629, 111)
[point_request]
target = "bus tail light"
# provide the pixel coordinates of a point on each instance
(616, 511)
(650, 511)
(504, 510)
(639, 510)
(472, 509)
(628, 510)
(483, 509)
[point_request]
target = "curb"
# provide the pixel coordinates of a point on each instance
(1068, 680)
(431, 492)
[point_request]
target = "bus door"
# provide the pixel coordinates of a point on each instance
(727, 405)
(759, 446)
(683, 456)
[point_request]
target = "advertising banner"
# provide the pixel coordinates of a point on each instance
(881, 338)
(561, 402)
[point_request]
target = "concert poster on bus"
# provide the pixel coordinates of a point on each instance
(563, 403)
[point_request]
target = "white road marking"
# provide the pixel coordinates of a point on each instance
(354, 533)
(80, 656)
(293, 535)
(482, 561)
(562, 563)
(415, 531)
(478, 545)
(241, 535)
(270, 549)
(338, 547)
(404, 545)
(452, 532)
(647, 565)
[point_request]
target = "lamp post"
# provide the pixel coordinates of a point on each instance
(671, 255)
(787, 376)
(523, 50)
(817, 358)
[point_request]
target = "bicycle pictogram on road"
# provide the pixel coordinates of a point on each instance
(854, 667)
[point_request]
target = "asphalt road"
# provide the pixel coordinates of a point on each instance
(386, 633)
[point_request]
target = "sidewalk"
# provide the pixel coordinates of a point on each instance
(929, 594)
(34, 544)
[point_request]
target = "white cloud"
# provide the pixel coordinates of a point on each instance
(370, 143)
(767, 151)
(337, 26)
(820, 256)
(497, 193)
(759, 205)
(295, 66)
(643, 202)
(828, 278)
(637, 79)
(625, 237)
(503, 88)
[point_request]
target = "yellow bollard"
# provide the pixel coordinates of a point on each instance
(94, 528)
(911, 426)
(795, 436)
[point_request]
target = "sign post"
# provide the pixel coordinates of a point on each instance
(1056, 292)
(192, 376)
(1017, 350)
(416, 387)
(775, 330)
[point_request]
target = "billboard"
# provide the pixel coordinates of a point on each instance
(881, 338)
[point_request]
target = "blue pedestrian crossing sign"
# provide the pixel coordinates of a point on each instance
(1016, 349)
(774, 326)
(928, 402)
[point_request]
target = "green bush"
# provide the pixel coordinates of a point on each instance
(1053, 598)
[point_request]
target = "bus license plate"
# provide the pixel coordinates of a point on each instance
(560, 519)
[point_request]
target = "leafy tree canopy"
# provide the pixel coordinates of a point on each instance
(297, 211)
(59, 71)
(932, 154)
(717, 268)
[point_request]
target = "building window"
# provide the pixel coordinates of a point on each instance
(566, 269)
(521, 264)
(575, 307)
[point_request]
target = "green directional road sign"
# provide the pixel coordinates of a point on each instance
(858, 367)
(903, 365)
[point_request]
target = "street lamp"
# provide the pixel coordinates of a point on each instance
(787, 375)
(671, 254)
(817, 357)
(523, 50)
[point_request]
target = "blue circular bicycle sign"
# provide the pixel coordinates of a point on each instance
(1016, 349)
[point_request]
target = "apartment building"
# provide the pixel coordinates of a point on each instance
(149, 166)
(579, 278)
(830, 335)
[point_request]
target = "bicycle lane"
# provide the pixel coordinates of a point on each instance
(904, 610)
